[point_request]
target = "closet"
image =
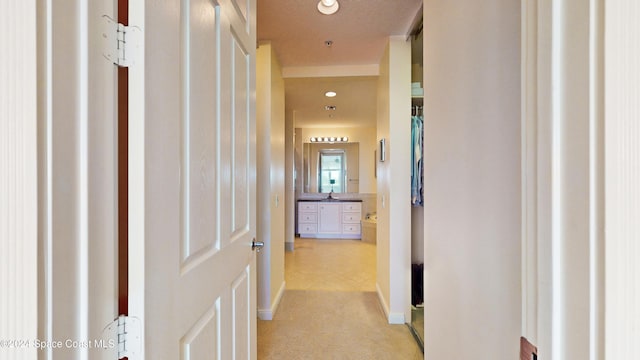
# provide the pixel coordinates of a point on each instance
(417, 200)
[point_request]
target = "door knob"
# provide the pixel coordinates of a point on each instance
(257, 245)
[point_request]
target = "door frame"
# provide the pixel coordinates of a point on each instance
(77, 177)
(19, 175)
(563, 177)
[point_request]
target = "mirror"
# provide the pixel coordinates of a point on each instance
(331, 166)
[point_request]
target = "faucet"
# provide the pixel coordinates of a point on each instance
(330, 195)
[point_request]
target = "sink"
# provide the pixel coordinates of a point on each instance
(331, 199)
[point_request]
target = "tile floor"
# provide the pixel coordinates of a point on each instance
(332, 265)
(330, 309)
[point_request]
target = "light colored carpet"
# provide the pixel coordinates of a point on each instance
(335, 265)
(329, 310)
(333, 325)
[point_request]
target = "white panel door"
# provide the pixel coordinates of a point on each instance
(192, 179)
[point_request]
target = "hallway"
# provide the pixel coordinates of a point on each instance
(330, 309)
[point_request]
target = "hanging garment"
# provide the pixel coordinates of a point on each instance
(416, 160)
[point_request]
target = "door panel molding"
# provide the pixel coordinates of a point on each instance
(196, 343)
(200, 136)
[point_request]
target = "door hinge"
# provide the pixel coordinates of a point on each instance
(123, 337)
(121, 44)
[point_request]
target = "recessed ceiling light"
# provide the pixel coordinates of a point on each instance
(330, 94)
(328, 7)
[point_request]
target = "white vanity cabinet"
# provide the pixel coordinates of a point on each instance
(329, 219)
(308, 218)
(351, 215)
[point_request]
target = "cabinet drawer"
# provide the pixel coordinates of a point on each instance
(307, 206)
(305, 217)
(351, 218)
(351, 228)
(351, 207)
(307, 228)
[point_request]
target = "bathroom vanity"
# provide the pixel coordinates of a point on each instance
(330, 218)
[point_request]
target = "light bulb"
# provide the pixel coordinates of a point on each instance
(328, 7)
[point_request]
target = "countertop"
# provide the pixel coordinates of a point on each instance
(330, 200)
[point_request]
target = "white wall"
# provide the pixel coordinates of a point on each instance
(394, 182)
(270, 179)
(298, 176)
(472, 179)
(289, 187)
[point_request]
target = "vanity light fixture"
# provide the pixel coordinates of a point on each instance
(328, 139)
(328, 7)
(330, 94)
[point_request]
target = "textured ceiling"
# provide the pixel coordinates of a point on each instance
(359, 32)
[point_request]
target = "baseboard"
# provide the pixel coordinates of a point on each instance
(383, 303)
(396, 318)
(288, 246)
(267, 314)
(276, 301)
(392, 318)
